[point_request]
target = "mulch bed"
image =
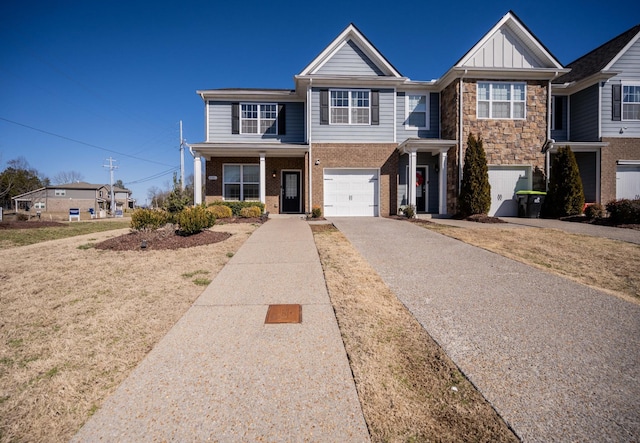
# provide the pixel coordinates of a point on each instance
(605, 221)
(160, 240)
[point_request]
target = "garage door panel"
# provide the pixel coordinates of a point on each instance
(351, 192)
(505, 182)
(628, 182)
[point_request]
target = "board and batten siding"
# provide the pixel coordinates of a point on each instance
(349, 60)
(381, 133)
(561, 134)
(402, 133)
(584, 115)
(219, 113)
(629, 67)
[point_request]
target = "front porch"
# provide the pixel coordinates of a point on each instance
(422, 172)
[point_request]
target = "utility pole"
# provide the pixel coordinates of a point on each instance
(181, 158)
(111, 167)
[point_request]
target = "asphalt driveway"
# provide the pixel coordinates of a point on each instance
(558, 360)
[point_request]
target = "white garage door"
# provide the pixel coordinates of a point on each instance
(351, 192)
(628, 182)
(505, 182)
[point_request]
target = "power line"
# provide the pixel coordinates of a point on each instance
(82, 143)
(158, 175)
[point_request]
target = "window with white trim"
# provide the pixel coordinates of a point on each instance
(38, 205)
(259, 118)
(241, 182)
(631, 102)
(416, 111)
(60, 192)
(502, 100)
(350, 107)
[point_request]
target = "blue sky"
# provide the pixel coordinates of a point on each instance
(81, 81)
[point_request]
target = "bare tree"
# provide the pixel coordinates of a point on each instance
(64, 177)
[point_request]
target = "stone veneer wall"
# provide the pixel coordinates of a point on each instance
(449, 108)
(510, 142)
(618, 149)
(213, 189)
(381, 156)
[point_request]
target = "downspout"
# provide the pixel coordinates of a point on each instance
(460, 132)
(549, 142)
(309, 138)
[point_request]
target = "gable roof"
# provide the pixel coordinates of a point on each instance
(510, 31)
(601, 58)
(353, 37)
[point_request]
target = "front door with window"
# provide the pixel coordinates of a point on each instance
(421, 189)
(291, 192)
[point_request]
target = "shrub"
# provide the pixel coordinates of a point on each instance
(236, 206)
(220, 211)
(624, 211)
(250, 212)
(177, 199)
(475, 192)
(194, 220)
(316, 212)
(409, 211)
(595, 210)
(149, 219)
(565, 196)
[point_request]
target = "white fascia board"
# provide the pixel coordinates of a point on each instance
(230, 149)
(622, 52)
(573, 87)
(243, 95)
(353, 81)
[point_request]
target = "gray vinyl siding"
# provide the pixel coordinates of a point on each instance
(382, 133)
(561, 134)
(584, 115)
(220, 124)
(350, 60)
(424, 159)
(402, 133)
(629, 66)
(73, 193)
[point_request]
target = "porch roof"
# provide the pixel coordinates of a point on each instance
(222, 149)
(433, 145)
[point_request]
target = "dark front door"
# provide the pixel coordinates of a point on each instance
(421, 189)
(291, 191)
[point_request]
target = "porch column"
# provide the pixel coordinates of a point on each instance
(263, 179)
(411, 183)
(197, 178)
(442, 182)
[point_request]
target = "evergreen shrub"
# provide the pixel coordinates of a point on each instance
(250, 212)
(149, 219)
(236, 206)
(565, 196)
(624, 211)
(194, 220)
(220, 211)
(475, 192)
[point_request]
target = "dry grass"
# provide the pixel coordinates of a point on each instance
(409, 389)
(75, 321)
(606, 264)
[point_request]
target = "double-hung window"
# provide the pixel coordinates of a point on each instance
(416, 112)
(241, 182)
(350, 107)
(258, 118)
(502, 100)
(60, 192)
(631, 102)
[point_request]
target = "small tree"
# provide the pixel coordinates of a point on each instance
(177, 199)
(565, 196)
(475, 193)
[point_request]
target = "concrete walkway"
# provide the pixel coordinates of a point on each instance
(221, 374)
(558, 360)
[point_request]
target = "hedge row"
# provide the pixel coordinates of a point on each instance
(624, 211)
(237, 206)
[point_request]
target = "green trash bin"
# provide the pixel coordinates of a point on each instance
(530, 203)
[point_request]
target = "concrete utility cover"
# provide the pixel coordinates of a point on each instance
(284, 314)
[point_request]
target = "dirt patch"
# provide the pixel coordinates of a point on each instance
(31, 224)
(408, 387)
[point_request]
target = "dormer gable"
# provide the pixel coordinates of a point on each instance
(350, 54)
(509, 45)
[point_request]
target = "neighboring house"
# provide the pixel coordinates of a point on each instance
(357, 138)
(596, 111)
(80, 195)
